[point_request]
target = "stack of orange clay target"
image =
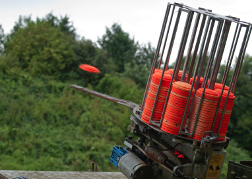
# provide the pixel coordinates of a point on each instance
(206, 114)
(176, 107)
(150, 99)
(219, 86)
(200, 82)
(179, 74)
(227, 113)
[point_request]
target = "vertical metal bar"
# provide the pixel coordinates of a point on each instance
(200, 57)
(196, 48)
(213, 51)
(220, 53)
(205, 53)
(166, 63)
(241, 56)
(197, 65)
(232, 50)
(156, 54)
(229, 62)
(183, 42)
(237, 70)
(168, 30)
(190, 47)
(244, 50)
(201, 99)
(238, 64)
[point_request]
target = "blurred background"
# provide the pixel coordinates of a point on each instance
(47, 126)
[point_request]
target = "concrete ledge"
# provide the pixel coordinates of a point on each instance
(61, 175)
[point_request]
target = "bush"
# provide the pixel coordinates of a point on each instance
(41, 49)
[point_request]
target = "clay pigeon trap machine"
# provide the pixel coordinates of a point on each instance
(182, 122)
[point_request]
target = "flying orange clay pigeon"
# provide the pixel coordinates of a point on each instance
(89, 68)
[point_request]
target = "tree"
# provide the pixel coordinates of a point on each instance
(119, 45)
(2, 39)
(41, 49)
(22, 22)
(139, 69)
(87, 52)
(62, 23)
(241, 119)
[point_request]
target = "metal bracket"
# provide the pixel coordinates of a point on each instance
(208, 140)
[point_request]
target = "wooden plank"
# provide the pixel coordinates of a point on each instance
(61, 175)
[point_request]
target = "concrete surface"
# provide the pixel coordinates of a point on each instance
(61, 175)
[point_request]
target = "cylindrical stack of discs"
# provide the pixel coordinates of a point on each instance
(227, 113)
(179, 74)
(206, 113)
(176, 107)
(150, 99)
(200, 82)
(219, 86)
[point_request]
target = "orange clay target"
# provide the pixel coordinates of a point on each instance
(206, 114)
(227, 111)
(89, 68)
(176, 107)
(152, 95)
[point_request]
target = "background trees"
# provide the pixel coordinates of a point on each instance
(41, 49)
(45, 125)
(240, 121)
(119, 46)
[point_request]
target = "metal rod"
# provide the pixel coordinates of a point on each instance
(196, 68)
(201, 99)
(199, 59)
(156, 54)
(196, 48)
(229, 62)
(241, 55)
(244, 50)
(232, 50)
(222, 51)
(213, 51)
(166, 63)
(168, 30)
(129, 104)
(239, 62)
(183, 42)
(220, 54)
(190, 48)
(205, 53)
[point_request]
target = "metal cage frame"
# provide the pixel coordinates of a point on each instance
(201, 47)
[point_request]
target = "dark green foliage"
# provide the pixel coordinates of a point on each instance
(119, 46)
(234, 152)
(63, 24)
(194, 66)
(2, 39)
(20, 24)
(240, 122)
(45, 125)
(123, 88)
(140, 67)
(86, 52)
(41, 49)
